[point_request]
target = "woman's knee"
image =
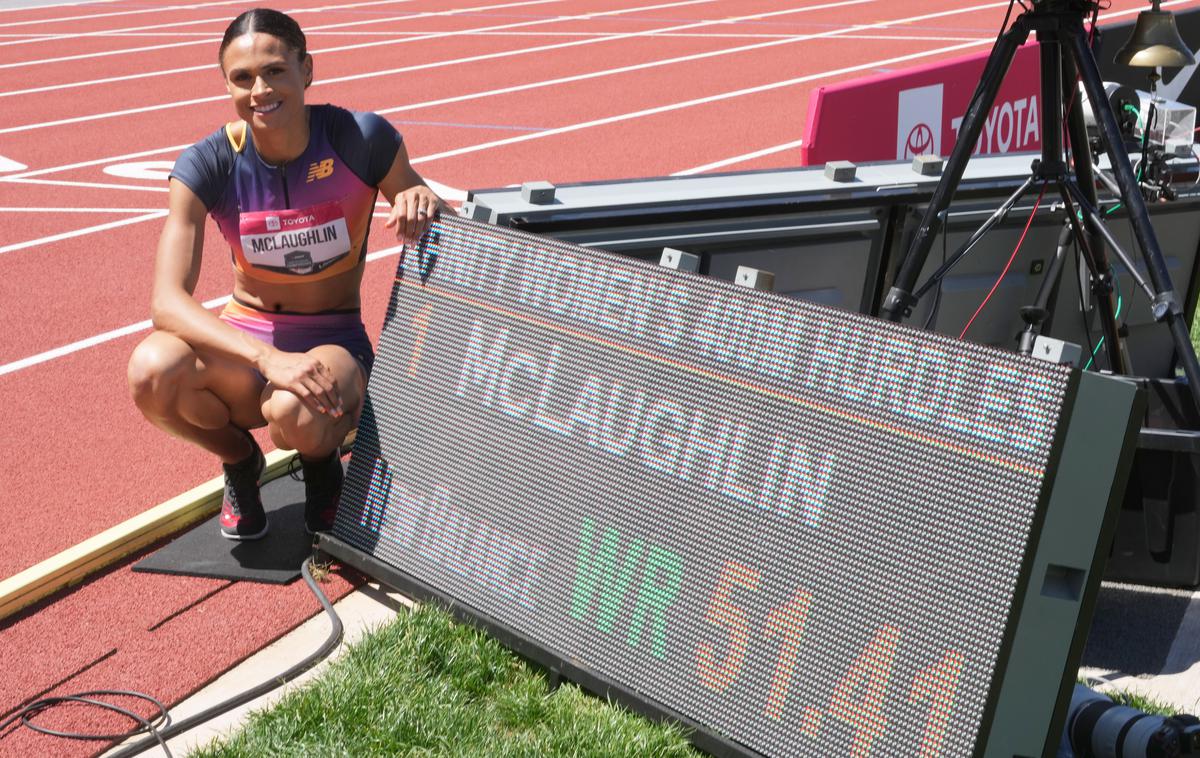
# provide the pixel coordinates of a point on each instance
(156, 371)
(296, 426)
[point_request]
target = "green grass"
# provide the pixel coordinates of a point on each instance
(1132, 699)
(423, 685)
(1142, 703)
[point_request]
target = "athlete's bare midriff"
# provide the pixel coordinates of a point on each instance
(340, 292)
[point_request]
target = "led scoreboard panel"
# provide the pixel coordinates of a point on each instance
(799, 530)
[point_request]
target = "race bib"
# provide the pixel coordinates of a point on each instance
(299, 241)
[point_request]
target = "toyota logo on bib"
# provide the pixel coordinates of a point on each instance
(920, 142)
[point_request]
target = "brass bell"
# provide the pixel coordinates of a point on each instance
(1155, 42)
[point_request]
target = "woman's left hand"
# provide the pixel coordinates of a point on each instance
(412, 212)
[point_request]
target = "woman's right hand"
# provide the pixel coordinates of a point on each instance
(306, 377)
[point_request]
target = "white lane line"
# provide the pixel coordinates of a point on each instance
(506, 90)
(701, 35)
(83, 344)
(90, 185)
(223, 20)
(740, 158)
(159, 9)
(95, 162)
(600, 122)
(114, 114)
(361, 22)
(110, 79)
(140, 326)
(159, 34)
(210, 38)
(609, 38)
(446, 192)
(64, 37)
(551, 82)
(14, 8)
(8, 164)
(319, 32)
(158, 151)
(390, 41)
(697, 56)
(7, 368)
(81, 232)
(636, 66)
(704, 100)
(388, 72)
(19, 209)
(685, 104)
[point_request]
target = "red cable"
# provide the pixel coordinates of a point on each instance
(1008, 265)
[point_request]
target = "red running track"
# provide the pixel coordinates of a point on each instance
(487, 93)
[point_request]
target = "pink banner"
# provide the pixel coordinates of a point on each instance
(897, 116)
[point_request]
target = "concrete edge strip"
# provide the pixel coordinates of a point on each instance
(74, 564)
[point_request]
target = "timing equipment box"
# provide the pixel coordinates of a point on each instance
(794, 529)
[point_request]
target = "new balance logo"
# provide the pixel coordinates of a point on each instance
(320, 170)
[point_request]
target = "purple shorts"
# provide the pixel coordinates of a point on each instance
(301, 332)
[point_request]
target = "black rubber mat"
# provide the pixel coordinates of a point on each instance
(274, 559)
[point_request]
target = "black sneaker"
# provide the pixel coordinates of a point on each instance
(242, 514)
(322, 489)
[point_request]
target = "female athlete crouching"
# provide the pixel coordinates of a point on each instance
(292, 188)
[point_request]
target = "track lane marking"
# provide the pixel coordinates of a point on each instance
(416, 32)
(210, 37)
(362, 45)
(295, 11)
(84, 231)
(655, 63)
(533, 85)
(95, 162)
(697, 101)
(159, 9)
(140, 326)
(17, 8)
(18, 209)
(386, 72)
(680, 105)
(91, 185)
(176, 148)
(159, 151)
(613, 37)
(575, 127)
(82, 344)
(844, 32)
(740, 158)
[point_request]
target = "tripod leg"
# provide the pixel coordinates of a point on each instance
(1037, 315)
(1166, 303)
(1101, 278)
(1097, 225)
(999, 215)
(1092, 245)
(899, 300)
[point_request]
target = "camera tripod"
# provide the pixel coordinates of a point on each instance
(1065, 54)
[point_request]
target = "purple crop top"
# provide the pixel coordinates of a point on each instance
(304, 220)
